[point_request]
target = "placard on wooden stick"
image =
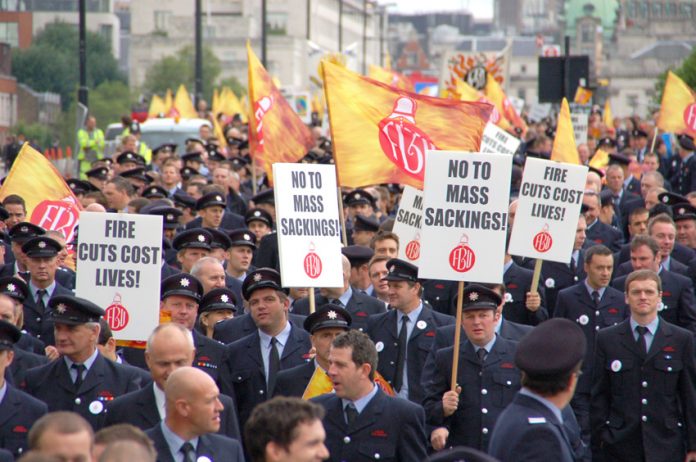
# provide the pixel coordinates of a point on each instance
(308, 225)
(407, 224)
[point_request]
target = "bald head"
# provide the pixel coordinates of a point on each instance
(95, 207)
(169, 348)
(192, 403)
(185, 382)
(593, 182)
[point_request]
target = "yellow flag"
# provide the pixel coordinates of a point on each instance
(183, 104)
(564, 147)
(678, 108)
(319, 384)
(468, 93)
(496, 95)
(600, 159)
(390, 77)
(582, 95)
(387, 60)
(608, 117)
(215, 108)
(157, 107)
(168, 101)
(49, 201)
(276, 133)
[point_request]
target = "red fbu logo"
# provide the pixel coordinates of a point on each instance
(57, 216)
(312, 263)
(412, 249)
(402, 142)
(543, 241)
(462, 257)
(116, 314)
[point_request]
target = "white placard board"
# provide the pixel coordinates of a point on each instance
(497, 140)
(119, 261)
(301, 103)
(580, 121)
(517, 103)
(407, 224)
(308, 225)
(548, 210)
(539, 111)
(465, 216)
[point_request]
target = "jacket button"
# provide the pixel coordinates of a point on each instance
(346, 439)
(669, 369)
(78, 401)
(484, 431)
(377, 455)
(484, 391)
(644, 401)
(596, 313)
(391, 362)
(38, 319)
(484, 411)
(260, 392)
(644, 384)
(644, 418)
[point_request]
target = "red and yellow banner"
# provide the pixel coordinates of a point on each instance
(582, 95)
(391, 78)
(320, 384)
(600, 160)
(276, 133)
(678, 108)
(50, 202)
(468, 93)
(380, 133)
(496, 95)
(564, 147)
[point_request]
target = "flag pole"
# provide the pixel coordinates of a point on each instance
(654, 140)
(457, 336)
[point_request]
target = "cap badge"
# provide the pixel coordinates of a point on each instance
(257, 277)
(357, 195)
(473, 296)
(201, 238)
(41, 244)
(218, 198)
(61, 308)
(257, 214)
(247, 237)
(11, 287)
(224, 298)
(392, 268)
(24, 229)
(681, 211)
(184, 282)
(332, 314)
(665, 199)
(170, 217)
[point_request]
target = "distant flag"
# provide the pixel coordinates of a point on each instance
(468, 93)
(168, 101)
(276, 133)
(678, 108)
(608, 117)
(157, 107)
(495, 93)
(183, 105)
(380, 134)
(582, 95)
(49, 201)
(564, 147)
(600, 160)
(391, 78)
(216, 101)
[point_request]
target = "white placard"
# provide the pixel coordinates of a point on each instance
(119, 257)
(407, 224)
(495, 139)
(465, 216)
(580, 123)
(548, 210)
(308, 225)
(539, 111)
(301, 102)
(517, 103)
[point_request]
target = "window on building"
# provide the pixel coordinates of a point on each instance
(521, 93)
(670, 10)
(106, 31)
(277, 23)
(9, 33)
(656, 12)
(523, 69)
(686, 10)
(632, 9)
(644, 10)
(587, 33)
(162, 20)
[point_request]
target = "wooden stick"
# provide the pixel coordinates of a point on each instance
(457, 336)
(342, 217)
(537, 274)
(652, 146)
(253, 177)
(312, 301)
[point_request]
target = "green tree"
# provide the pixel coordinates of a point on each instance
(172, 71)
(51, 63)
(109, 101)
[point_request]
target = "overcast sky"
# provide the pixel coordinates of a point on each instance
(479, 8)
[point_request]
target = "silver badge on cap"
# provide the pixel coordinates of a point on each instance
(257, 277)
(24, 229)
(184, 282)
(41, 244)
(201, 238)
(224, 298)
(11, 287)
(247, 237)
(357, 195)
(218, 198)
(170, 217)
(257, 214)
(473, 296)
(61, 308)
(332, 314)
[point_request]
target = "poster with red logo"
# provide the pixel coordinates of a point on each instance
(120, 262)
(465, 216)
(548, 210)
(308, 225)
(407, 224)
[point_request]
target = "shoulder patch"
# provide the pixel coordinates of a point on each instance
(537, 420)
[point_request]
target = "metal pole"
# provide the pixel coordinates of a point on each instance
(263, 34)
(309, 19)
(566, 68)
(381, 37)
(364, 37)
(198, 79)
(82, 92)
(340, 25)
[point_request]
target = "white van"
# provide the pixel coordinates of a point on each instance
(156, 132)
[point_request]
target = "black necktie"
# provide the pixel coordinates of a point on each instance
(351, 413)
(595, 298)
(79, 368)
(40, 300)
(401, 354)
(642, 343)
(482, 353)
(273, 365)
(188, 452)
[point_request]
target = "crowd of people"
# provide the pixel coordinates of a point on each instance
(596, 363)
